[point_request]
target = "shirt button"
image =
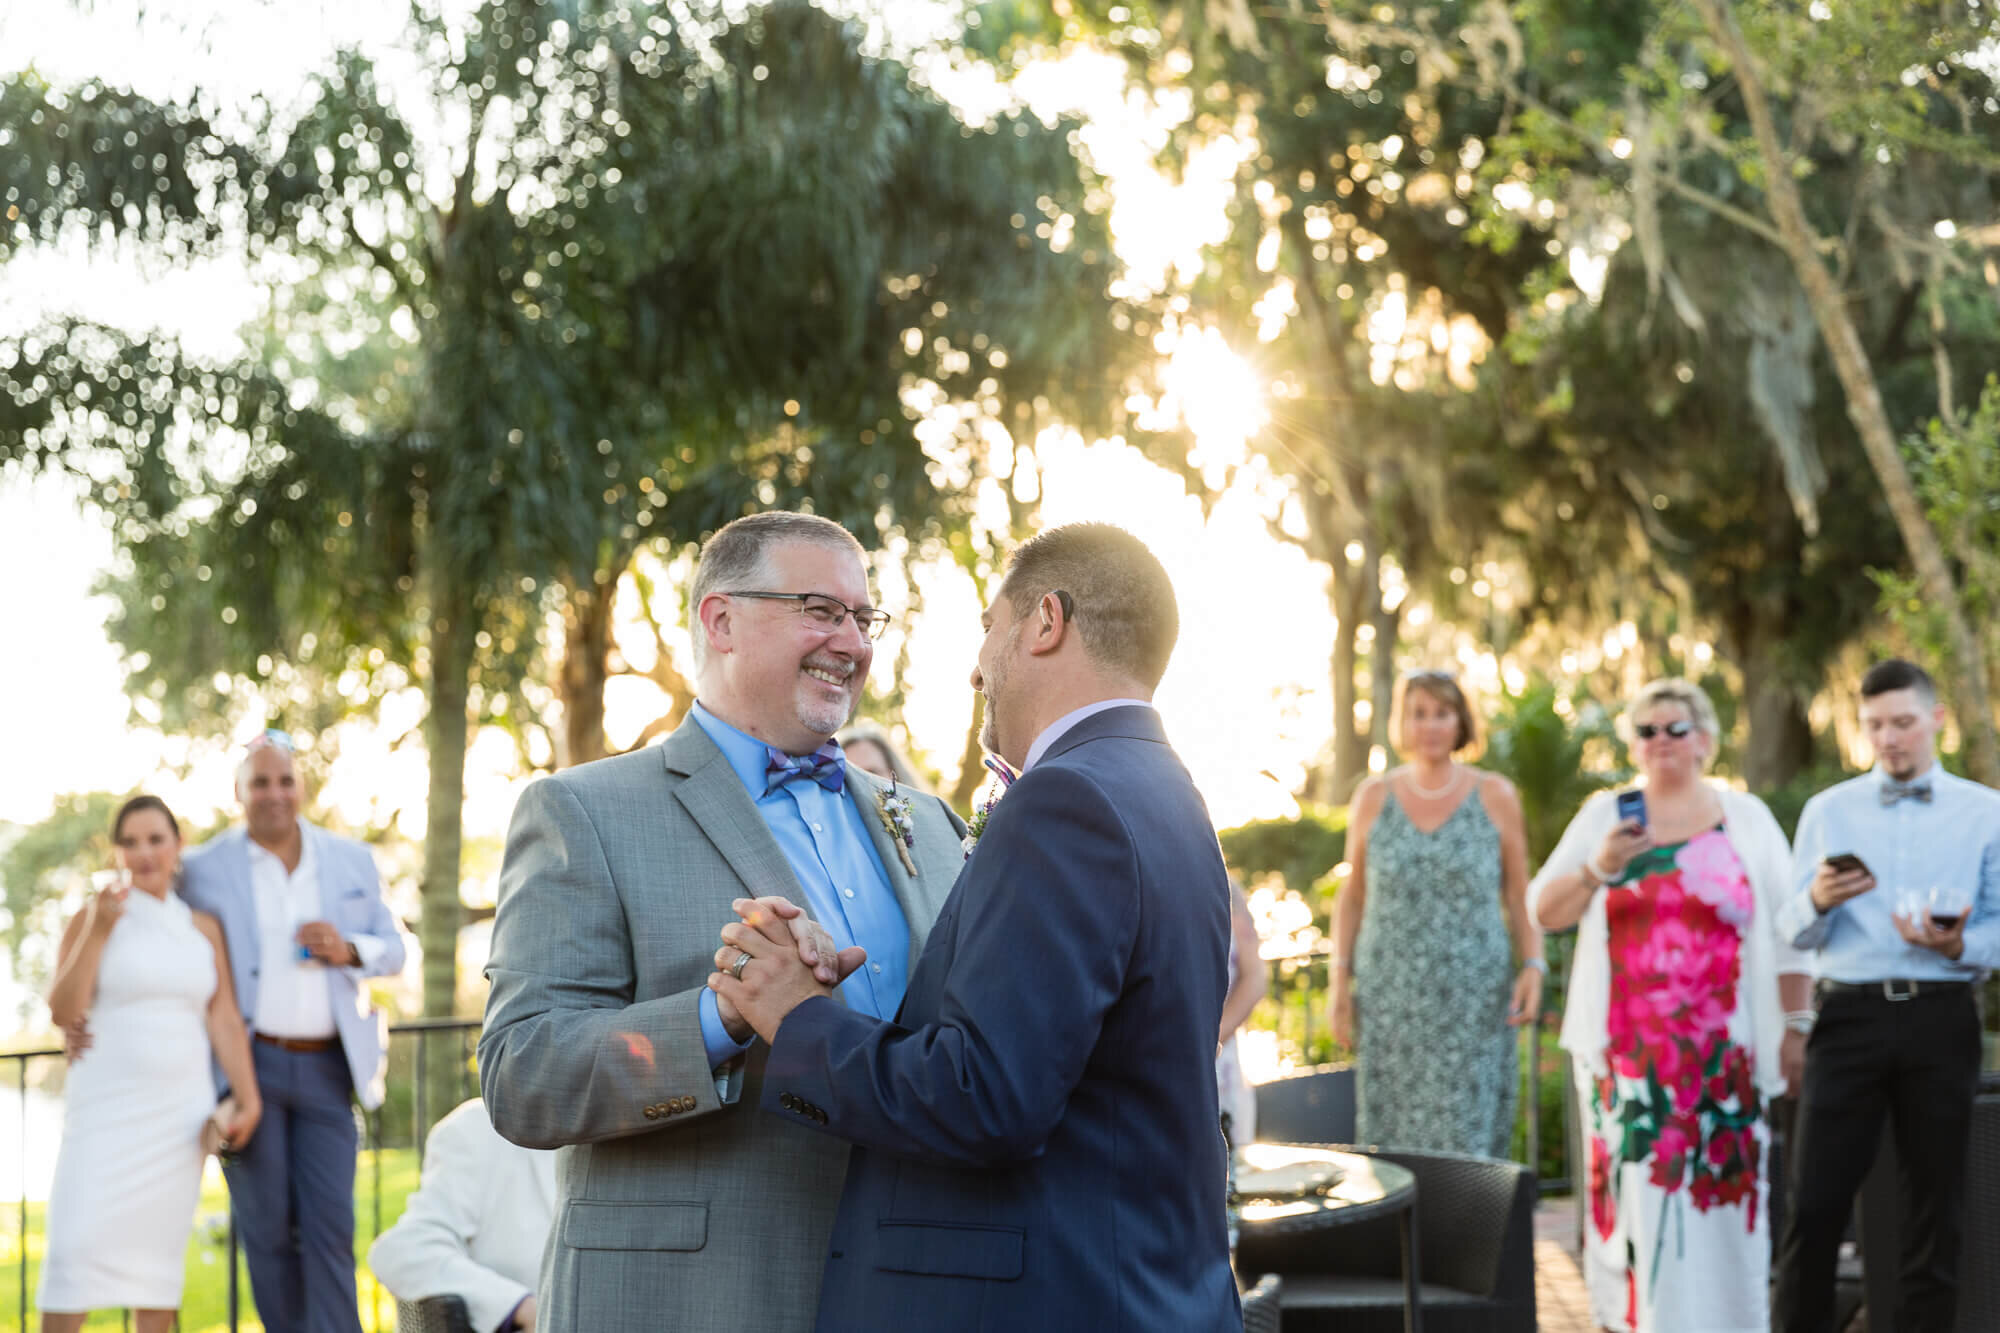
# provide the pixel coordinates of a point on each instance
(878, 967)
(848, 892)
(818, 829)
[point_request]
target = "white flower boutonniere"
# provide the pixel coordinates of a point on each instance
(1003, 778)
(894, 808)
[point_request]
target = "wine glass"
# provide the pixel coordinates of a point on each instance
(1946, 904)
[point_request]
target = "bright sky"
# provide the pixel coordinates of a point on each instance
(1245, 698)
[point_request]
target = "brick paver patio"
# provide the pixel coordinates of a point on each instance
(1561, 1304)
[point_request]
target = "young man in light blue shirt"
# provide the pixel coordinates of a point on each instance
(1896, 891)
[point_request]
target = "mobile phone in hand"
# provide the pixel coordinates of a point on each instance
(1632, 808)
(1845, 862)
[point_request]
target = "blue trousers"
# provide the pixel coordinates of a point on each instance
(293, 1189)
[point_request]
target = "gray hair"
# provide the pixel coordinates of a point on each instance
(735, 558)
(1676, 690)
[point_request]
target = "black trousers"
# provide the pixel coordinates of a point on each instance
(1915, 1061)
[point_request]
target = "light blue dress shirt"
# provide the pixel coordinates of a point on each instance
(828, 848)
(1954, 840)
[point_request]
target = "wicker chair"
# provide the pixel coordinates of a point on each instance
(1979, 1256)
(1260, 1305)
(1316, 1106)
(433, 1314)
(1475, 1249)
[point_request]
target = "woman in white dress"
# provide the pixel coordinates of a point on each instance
(152, 977)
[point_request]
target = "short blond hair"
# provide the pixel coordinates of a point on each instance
(1677, 690)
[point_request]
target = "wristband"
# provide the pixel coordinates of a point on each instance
(1800, 1020)
(1602, 877)
(1540, 965)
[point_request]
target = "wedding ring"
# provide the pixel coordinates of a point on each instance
(736, 968)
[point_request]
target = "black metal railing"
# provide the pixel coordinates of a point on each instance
(404, 1119)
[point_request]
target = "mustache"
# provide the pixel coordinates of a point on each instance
(839, 667)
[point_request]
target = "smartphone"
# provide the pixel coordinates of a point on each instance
(1847, 861)
(1632, 808)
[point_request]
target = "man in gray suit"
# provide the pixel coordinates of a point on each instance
(679, 1206)
(302, 911)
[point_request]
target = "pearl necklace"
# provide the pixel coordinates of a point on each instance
(1432, 793)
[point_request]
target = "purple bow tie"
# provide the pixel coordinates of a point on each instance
(827, 766)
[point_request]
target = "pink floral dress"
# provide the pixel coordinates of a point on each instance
(1675, 1131)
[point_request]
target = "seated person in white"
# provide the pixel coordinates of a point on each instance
(476, 1224)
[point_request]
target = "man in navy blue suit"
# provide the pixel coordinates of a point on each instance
(1036, 1139)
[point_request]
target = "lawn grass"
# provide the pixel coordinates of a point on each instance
(205, 1302)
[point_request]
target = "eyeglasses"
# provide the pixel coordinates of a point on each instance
(825, 613)
(271, 739)
(1645, 731)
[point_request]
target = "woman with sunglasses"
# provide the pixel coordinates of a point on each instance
(1677, 1025)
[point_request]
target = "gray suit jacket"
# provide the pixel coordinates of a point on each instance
(680, 1206)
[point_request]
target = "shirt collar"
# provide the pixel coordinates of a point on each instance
(746, 754)
(305, 846)
(1056, 729)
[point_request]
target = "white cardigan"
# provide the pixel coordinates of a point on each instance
(1767, 860)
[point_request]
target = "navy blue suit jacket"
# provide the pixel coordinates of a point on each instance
(1036, 1134)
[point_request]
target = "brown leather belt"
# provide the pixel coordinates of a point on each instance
(306, 1044)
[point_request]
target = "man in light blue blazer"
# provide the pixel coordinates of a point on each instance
(303, 915)
(1036, 1134)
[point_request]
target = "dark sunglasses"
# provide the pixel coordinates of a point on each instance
(1645, 731)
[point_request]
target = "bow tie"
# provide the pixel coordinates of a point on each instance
(826, 766)
(1893, 792)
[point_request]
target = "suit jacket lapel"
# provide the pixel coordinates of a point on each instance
(714, 798)
(235, 906)
(245, 890)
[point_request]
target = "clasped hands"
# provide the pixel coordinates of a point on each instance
(790, 959)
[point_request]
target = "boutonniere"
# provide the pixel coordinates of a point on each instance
(894, 807)
(1003, 778)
